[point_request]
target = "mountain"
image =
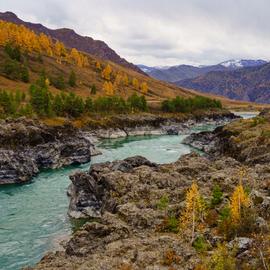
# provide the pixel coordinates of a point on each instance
(73, 40)
(234, 64)
(181, 72)
(247, 83)
(175, 73)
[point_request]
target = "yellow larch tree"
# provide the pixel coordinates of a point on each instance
(46, 43)
(125, 80)
(144, 88)
(29, 41)
(108, 88)
(60, 51)
(106, 73)
(76, 57)
(98, 65)
(118, 79)
(191, 218)
(135, 83)
(238, 200)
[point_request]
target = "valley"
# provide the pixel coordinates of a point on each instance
(109, 165)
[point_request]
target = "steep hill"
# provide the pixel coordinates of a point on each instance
(73, 40)
(249, 84)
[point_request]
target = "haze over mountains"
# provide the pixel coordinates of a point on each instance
(71, 39)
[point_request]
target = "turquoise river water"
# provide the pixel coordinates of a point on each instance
(33, 216)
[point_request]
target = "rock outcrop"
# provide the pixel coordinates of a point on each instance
(248, 141)
(28, 146)
(155, 124)
(130, 229)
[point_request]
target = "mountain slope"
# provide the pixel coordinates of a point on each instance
(181, 72)
(249, 84)
(72, 40)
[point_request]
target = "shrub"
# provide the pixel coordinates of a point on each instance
(72, 79)
(93, 89)
(110, 104)
(58, 82)
(222, 259)
(13, 52)
(24, 74)
(200, 244)
(40, 100)
(163, 202)
(15, 71)
(88, 105)
(217, 196)
(257, 121)
(7, 103)
(137, 103)
(171, 257)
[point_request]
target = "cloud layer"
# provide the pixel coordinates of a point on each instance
(161, 32)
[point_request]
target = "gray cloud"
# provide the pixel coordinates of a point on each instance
(161, 32)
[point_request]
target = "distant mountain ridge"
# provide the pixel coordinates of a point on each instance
(73, 40)
(247, 83)
(181, 72)
(234, 64)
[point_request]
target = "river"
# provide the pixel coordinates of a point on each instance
(33, 215)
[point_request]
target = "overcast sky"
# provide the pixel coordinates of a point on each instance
(161, 32)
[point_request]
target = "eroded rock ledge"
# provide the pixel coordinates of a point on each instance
(124, 197)
(28, 146)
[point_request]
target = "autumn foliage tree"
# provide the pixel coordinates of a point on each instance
(238, 200)
(106, 73)
(29, 41)
(98, 65)
(135, 83)
(144, 88)
(108, 88)
(125, 80)
(193, 214)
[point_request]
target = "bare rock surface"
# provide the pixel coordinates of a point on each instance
(26, 146)
(124, 198)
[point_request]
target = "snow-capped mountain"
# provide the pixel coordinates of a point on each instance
(240, 63)
(148, 69)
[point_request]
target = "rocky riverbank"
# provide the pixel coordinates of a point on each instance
(248, 141)
(154, 124)
(134, 209)
(27, 146)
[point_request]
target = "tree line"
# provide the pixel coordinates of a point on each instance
(186, 105)
(41, 102)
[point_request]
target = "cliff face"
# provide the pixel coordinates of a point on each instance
(73, 40)
(28, 146)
